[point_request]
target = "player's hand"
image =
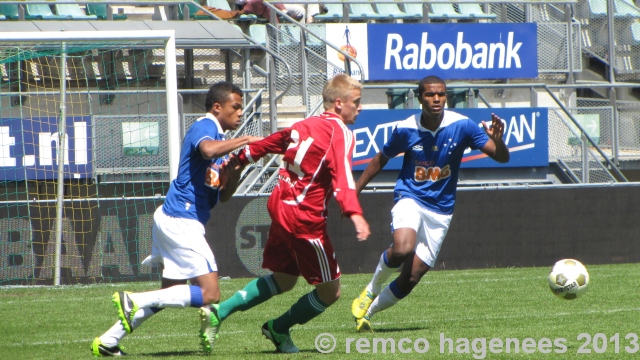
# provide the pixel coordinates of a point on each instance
(230, 172)
(223, 176)
(362, 227)
(496, 131)
(232, 162)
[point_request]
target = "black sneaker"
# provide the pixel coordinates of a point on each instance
(99, 349)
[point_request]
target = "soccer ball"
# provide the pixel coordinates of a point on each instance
(568, 279)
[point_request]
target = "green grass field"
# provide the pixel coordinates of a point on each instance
(60, 323)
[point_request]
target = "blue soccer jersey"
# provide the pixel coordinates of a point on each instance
(432, 159)
(189, 197)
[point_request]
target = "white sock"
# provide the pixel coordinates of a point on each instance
(385, 300)
(381, 275)
(113, 336)
(178, 296)
(116, 333)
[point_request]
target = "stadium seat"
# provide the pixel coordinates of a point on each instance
(626, 9)
(10, 11)
(474, 11)
(43, 11)
(100, 10)
(224, 5)
(597, 8)
(393, 12)
(258, 32)
(193, 9)
(413, 9)
(73, 11)
(333, 14)
(363, 12)
(635, 32)
(312, 40)
(445, 11)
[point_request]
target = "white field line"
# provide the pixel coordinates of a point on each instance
(324, 328)
(88, 341)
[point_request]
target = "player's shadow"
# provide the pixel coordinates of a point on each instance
(272, 352)
(174, 353)
(386, 330)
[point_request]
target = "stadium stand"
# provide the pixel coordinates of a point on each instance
(44, 12)
(224, 5)
(445, 11)
(363, 12)
(258, 32)
(101, 11)
(193, 9)
(333, 14)
(413, 10)
(474, 12)
(12, 12)
(73, 12)
(393, 12)
(626, 9)
(635, 32)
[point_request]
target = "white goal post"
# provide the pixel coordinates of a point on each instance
(66, 39)
(168, 36)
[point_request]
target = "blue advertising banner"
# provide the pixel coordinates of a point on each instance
(526, 136)
(452, 51)
(29, 147)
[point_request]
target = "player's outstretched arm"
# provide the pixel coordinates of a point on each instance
(374, 167)
(495, 147)
(213, 149)
(362, 227)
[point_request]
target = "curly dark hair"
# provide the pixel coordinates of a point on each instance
(220, 92)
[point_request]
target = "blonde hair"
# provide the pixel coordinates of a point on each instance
(338, 87)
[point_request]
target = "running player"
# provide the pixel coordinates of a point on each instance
(433, 143)
(179, 245)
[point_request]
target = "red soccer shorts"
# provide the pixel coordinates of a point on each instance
(313, 259)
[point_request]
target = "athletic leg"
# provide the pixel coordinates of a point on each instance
(406, 223)
(255, 293)
(316, 263)
(412, 272)
(112, 337)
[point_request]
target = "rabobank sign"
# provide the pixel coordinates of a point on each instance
(452, 51)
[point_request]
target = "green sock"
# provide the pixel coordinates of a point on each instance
(307, 307)
(254, 293)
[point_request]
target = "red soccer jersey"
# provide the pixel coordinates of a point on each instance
(316, 165)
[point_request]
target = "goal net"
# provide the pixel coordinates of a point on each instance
(89, 140)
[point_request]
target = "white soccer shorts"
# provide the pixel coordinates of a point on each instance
(180, 246)
(430, 227)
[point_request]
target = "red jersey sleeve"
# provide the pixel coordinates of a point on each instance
(276, 143)
(340, 165)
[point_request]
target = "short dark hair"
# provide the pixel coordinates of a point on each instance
(431, 79)
(220, 92)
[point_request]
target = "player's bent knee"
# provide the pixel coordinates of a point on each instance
(329, 293)
(400, 254)
(329, 298)
(284, 281)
